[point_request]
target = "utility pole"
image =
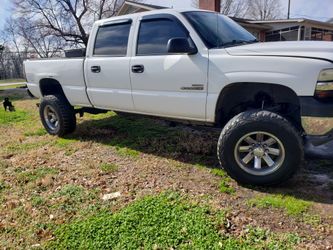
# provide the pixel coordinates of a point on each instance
(288, 9)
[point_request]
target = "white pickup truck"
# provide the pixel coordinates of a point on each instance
(199, 67)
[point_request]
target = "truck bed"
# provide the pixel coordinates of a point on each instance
(67, 71)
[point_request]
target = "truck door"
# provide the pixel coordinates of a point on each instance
(163, 84)
(107, 67)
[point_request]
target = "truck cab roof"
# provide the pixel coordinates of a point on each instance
(146, 13)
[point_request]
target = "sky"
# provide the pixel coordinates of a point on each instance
(312, 9)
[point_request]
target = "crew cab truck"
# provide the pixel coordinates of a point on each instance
(200, 67)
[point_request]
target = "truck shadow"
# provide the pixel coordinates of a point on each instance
(197, 146)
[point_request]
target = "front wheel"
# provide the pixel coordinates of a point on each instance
(57, 115)
(260, 148)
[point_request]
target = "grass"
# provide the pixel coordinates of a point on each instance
(71, 197)
(33, 175)
(12, 80)
(36, 132)
(23, 147)
(7, 118)
(167, 221)
(124, 151)
(291, 205)
(32, 188)
(224, 185)
(64, 142)
(131, 135)
(11, 86)
(108, 167)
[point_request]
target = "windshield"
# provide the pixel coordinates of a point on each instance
(217, 30)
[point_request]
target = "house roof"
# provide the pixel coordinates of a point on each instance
(155, 7)
(129, 7)
(314, 23)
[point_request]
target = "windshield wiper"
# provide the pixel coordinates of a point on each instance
(238, 42)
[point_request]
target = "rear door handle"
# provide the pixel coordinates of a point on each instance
(95, 69)
(138, 68)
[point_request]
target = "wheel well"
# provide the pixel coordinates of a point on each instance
(240, 97)
(50, 87)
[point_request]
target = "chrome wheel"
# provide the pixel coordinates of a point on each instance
(51, 117)
(259, 153)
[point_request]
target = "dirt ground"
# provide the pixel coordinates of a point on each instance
(137, 157)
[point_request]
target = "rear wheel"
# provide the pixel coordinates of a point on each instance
(260, 148)
(57, 115)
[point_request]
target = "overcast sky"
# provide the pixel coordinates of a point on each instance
(313, 9)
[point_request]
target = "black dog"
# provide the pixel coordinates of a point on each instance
(8, 105)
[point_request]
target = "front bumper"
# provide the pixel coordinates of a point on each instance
(317, 116)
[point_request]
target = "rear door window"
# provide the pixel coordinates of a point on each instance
(112, 40)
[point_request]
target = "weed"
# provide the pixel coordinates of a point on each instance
(311, 219)
(154, 222)
(72, 196)
(167, 221)
(71, 191)
(224, 185)
(290, 204)
(38, 201)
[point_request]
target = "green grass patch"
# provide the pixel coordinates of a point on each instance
(152, 223)
(72, 197)
(38, 201)
(12, 117)
(33, 175)
(64, 142)
(290, 204)
(127, 152)
(12, 80)
(108, 167)
(36, 132)
(22, 147)
(224, 186)
(11, 86)
(167, 221)
(71, 191)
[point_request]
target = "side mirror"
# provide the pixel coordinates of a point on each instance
(181, 45)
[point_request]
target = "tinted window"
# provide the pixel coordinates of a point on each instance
(155, 34)
(112, 40)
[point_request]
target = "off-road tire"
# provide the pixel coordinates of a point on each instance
(252, 121)
(64, 111)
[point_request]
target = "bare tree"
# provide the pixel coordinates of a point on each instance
(38, 39)
(264, 9)
(69, 19)
(236, 8)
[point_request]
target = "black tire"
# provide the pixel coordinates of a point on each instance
(64, 112)
(271, 124)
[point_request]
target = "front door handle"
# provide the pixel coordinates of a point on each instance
(95, 69)
(138, 68)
